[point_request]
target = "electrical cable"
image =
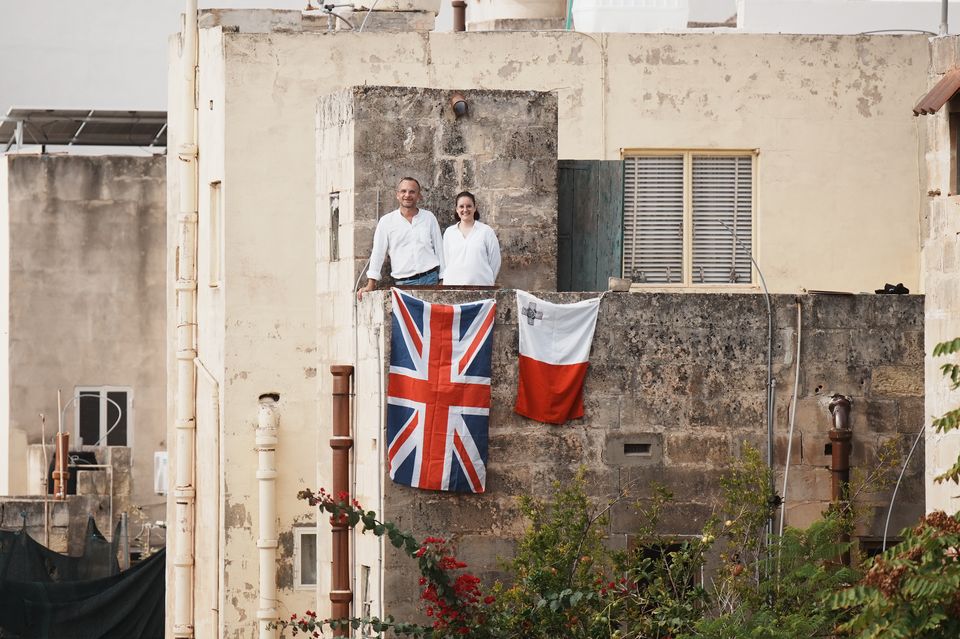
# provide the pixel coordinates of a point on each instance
(896, 487)
(793, 415)
(367, 17)
(97, 395)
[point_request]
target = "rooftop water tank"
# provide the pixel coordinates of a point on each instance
(484, 10)
(630, 16)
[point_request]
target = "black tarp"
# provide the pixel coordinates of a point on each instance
(46, 595)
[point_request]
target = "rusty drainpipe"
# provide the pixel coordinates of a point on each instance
(840, 447)
(459, 15)
(61, 471)
(341, 595)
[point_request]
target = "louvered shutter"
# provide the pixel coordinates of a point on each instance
(653, 219)
(722, 195)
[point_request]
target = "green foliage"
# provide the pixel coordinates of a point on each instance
(912, 591)
(554, 567)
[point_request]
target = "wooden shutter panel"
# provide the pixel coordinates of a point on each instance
(722, 195)
(653, 219)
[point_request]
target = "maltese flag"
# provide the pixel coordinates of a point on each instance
(555, 344)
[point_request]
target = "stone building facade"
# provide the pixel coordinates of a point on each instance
(823, 114)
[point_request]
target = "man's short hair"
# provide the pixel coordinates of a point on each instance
(410, 179)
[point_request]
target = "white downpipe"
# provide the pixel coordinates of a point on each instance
(267, 541)
(186, 301)
(214, 399)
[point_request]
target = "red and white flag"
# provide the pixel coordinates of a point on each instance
(555, 342)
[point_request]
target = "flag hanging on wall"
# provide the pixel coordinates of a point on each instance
(555, 342)
(438, 393)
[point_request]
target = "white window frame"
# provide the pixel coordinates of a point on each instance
(298, 534)
(102, 391)
(687, 280)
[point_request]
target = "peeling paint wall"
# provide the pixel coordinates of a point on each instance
(941, 276)
(828, 114)
(85, 298)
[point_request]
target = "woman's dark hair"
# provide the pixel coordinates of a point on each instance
(476, 211)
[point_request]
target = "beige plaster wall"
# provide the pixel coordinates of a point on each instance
(85, 298)
(941, 280)
(829, 115)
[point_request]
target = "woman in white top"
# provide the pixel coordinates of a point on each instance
(470, 248)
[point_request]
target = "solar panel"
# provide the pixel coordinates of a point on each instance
(91, 128)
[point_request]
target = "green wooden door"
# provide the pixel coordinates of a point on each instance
(589, 223)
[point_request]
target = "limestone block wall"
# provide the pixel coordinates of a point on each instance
(84, 298)
(941, 278)
(504, 150)
(687, 374)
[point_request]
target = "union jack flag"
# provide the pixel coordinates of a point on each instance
(438, 395)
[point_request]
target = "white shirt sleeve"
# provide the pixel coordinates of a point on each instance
(438, 245)
(379, 252)
(493, 252)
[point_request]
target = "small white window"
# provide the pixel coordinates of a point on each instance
(688, 218)
(305, 558)
(103, 415)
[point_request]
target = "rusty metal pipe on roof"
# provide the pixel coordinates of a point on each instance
(840, 448)
(341, 596)
(459, 15)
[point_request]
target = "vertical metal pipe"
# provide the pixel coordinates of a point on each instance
(459, 15)
(840, 447)
(124, 541)
(184, 491)
(341, 442)
(267, 542)
(944, 22)
(61, 473)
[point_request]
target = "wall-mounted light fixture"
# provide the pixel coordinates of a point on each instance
(458, 103)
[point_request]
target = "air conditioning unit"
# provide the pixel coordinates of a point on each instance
(160, 472)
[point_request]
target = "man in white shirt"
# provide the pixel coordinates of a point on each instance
(412, 238)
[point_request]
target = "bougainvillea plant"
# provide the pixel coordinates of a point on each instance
(450, 596)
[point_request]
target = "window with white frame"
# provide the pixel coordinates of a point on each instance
(104, 415)
(305, 558)
(688, 218)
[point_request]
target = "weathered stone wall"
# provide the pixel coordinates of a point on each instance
(940, 267)
(686, 373)
(504, 150)
(86, 296)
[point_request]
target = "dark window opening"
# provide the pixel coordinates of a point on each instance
(89, 418)
(116, 419)
(643, 450)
